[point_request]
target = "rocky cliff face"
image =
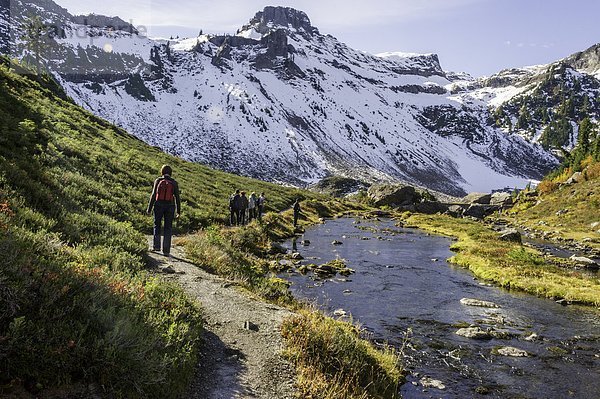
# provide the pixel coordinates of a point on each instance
(279, 101)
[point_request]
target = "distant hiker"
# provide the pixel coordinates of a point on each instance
(234, 208)
(243, 208)
(252, 207)
(261, 205)
(296, 211)
(166, 203)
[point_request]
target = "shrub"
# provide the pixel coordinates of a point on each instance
(547, 186)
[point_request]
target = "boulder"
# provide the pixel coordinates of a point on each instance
(477, 198)
(325, 270)
(393, 195)
(474, 333)
(431, 207)
(478, 303)
(429, 382)
(277, 248)
(455, 211)
(511, 236)
(297, 256)
(575, 178)
(501, 199)
(586, 262)
(512, 352)
(475, 210)
(305, 243)
(336, 242)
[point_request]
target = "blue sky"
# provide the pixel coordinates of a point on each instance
(480, 37)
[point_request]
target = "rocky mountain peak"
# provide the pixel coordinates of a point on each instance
(281, 17)
(588, 60)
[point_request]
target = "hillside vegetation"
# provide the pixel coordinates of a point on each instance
(76, 305)
(79, 314)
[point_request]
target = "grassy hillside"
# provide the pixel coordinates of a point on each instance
(565, 212)
(76, 305)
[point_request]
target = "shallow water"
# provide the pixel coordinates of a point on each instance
(403, 287)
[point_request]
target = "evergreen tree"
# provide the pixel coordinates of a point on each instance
(524, 117)
(583, 139)
(34, 37)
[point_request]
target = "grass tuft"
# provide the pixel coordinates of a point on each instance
(334, 362)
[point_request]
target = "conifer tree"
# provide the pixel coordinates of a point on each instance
(583, 139)
(34, 37)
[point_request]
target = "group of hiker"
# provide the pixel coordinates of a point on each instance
(165, 204)
(243, 209)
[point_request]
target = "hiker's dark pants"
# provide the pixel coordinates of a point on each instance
(296, 214)
(261, 210)
(234, 217)
(164, 211)
(242, 219)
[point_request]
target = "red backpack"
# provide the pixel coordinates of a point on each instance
(165, 190)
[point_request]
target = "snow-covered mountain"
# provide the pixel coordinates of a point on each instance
(282, 102)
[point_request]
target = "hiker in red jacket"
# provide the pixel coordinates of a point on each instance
(167, 205)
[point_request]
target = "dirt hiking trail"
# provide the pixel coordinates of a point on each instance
(241, 352)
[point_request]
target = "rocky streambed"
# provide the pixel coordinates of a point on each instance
(461, 338)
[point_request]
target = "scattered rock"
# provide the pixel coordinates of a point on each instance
(586, 262)
(595, 225)
(482, 390)
(563, 302)
(511, 236)
(297, 256)
(336, 242)
(248, 325)
(305, 243)
(339, 313)
(512, 352)
(562, 212)
(474, 333)
(347, 292)
(346, 272)
(429, 382)
(325, 270)
(478, 303)
(531, 337)
(277, 248)
(303, 269)
(168, 270)
(435, 260)
(365, 238)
